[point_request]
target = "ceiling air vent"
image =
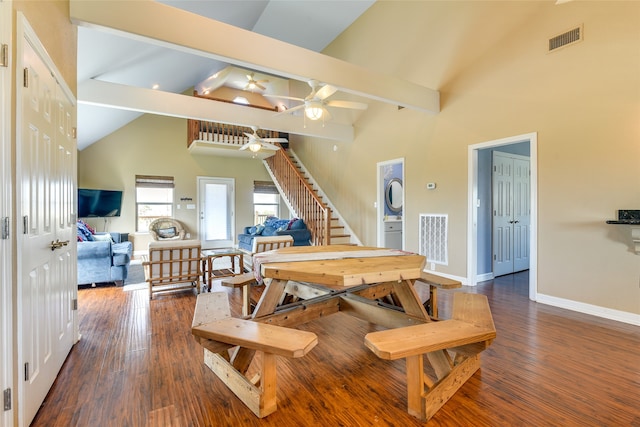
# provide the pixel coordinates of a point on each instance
(565, 39)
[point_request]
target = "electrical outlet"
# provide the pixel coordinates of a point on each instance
(188, 235)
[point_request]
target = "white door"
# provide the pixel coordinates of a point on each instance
(511, 213)
(216, 209)
(6, 238)
(45, 196)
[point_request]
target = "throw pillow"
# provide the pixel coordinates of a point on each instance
(103, 237)
(166, 233)
(298, 225)
(259, 229)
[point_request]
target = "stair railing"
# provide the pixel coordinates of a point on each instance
(302, 198)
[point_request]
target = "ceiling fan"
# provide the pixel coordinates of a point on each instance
(315, 104)
(256, 143)
(252, 83)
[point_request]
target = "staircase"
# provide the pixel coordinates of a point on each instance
(296, 186)
(306, 201)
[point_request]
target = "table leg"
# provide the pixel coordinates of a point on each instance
(409, 299)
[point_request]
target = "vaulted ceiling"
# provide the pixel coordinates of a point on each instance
(139, 57)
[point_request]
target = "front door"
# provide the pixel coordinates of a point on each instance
(511, 213)
(46, 256)
(216, 209)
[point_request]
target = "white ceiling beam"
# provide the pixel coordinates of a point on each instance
(167, 26)
(114, 95)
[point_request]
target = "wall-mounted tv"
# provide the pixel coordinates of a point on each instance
(99, 203)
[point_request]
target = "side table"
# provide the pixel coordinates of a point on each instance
(236, 258)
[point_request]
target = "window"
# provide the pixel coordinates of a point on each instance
(266, 201)
(154, 199)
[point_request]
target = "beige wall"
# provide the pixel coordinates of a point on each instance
(50, 20)
(496, 79)
(155, 145)
(489, 61)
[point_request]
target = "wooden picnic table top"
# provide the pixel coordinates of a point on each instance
(352, 266)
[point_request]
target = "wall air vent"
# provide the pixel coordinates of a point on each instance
(565, 39)
(433, 238)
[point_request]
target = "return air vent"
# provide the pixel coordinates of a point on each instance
(433, 238)
(565, 39)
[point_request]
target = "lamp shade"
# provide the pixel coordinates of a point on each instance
(313, 110)
(254, 147)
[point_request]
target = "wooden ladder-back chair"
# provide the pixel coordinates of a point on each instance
(173, 265)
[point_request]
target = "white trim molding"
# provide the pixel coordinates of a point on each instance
(593, 310)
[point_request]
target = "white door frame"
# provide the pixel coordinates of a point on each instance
(6, 206)
(381, 201)
(472, 214)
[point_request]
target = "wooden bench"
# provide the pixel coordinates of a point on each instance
(467, 333)
(243, 281)
(434, 281)
(215, 329)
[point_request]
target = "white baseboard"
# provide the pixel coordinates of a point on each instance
(484, 277)
(594, 310)
(462, 280)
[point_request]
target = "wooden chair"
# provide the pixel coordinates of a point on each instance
(245, 280)
(173, 265)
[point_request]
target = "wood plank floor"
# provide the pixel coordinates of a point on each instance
(137, 365)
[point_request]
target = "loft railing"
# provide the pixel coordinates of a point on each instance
(303, 199)
(200, 130)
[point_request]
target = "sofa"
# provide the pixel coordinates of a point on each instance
(272, 226)
(102, 257)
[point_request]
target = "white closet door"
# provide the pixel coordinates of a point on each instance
(46, 258)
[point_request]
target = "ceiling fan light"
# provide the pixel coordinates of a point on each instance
(313, 111)
(254, 147)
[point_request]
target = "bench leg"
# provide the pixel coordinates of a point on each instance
(260, 400)
(246, 300)
(423, 404)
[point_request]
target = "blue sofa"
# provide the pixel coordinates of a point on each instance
(102, 257)
(273, 226)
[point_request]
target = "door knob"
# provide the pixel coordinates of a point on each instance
(58, 244)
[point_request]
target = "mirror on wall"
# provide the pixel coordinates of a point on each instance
(393, 195)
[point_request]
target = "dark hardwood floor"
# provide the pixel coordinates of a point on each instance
(137, 365)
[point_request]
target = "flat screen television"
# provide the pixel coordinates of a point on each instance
(99, 203)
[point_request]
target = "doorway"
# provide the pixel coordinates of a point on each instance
(390, 204)
(479, 230)
(511, 211)
(217, 212)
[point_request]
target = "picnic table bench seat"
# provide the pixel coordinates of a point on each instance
(215, 329)
(467, 333)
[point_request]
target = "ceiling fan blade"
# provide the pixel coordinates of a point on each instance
(250, 76)
(347, 104)
(258, 85)
(245, 146)
(270, 146)
(249, 135)
(325, 92)
(283, 97)
(285, 140)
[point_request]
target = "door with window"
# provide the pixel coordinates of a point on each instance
(511, 213)
(217, 212)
